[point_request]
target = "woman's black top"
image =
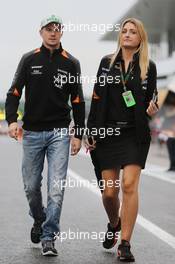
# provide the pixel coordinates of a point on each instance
(117, 112)
(108, 106)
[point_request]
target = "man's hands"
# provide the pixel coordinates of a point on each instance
(14, 130)
(75, 146)
(152, 108)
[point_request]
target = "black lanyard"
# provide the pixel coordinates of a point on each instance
(126, 78)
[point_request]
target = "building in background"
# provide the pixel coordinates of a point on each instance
(159, 20)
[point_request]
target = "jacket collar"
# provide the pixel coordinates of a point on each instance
(47, 51)
(120, 57)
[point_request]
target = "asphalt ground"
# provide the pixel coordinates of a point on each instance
(153, 240)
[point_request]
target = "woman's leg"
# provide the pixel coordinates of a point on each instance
(129, 209)
(110, 195)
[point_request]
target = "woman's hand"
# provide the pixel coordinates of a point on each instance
(152, 108)
(90, 143)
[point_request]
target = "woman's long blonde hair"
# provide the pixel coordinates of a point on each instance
(142, 49)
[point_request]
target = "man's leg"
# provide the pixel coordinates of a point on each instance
(170, 151)
(173, 154)
(57, 156)
(32, 167)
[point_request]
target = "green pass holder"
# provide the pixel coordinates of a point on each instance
(127, 95)
(128, 98)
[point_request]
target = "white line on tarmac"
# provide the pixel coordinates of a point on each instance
(143, 222)
(157, 172)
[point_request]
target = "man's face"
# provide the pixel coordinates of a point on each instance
(51, 34)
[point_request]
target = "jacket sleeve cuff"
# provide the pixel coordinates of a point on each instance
(11, 120)
(79, 131)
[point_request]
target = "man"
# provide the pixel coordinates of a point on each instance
(50, 76)
(171, 152)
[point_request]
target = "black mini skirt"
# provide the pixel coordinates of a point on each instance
(119, 151)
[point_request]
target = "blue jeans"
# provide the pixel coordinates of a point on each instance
(53, 145)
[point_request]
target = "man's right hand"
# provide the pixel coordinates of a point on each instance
(14, 130)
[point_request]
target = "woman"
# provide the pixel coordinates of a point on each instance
(125, 102)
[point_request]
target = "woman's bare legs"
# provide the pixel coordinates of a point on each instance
(110, 195)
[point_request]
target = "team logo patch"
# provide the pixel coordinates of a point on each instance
(36, 70)
(60, 78)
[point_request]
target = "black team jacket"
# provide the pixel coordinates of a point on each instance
(143, 92)
(50, 81)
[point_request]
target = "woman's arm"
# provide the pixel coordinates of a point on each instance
(152, 83)
(91, 122)
(151, 98)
